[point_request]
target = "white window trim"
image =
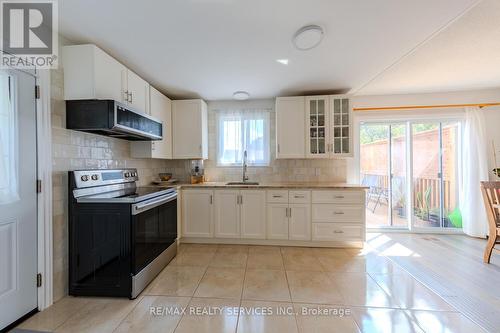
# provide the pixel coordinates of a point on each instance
(267, 130)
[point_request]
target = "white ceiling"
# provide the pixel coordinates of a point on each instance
(211, 48)
(464, 56)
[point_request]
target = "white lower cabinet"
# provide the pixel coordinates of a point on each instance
(277, 221)
(337, 232)
(227, 213)
(299, 227)
(197, 213)
(269, 216)
(253, 214)
(288, 221)
(240, 214)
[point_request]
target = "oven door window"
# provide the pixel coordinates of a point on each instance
(153, 231)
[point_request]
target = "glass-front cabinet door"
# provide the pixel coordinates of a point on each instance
(340, 126)
(317, 120)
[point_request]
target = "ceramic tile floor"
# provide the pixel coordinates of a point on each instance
(226, 288)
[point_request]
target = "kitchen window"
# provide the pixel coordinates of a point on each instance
(240, 130)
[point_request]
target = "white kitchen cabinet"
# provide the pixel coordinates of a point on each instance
(317, 124)
(277, 221)
(227, 213)
(197, 213)
(190, 129)
(341, 143)
(240, 214)
(90, 73)
(289, 215)
(290, 127)
(160, 108)
(253, 214)
(300, 222)
(138, 92)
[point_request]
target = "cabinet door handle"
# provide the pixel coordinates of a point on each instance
(338, 232)
(278, 147)
(338, 213)
(277, 196)
(211, 199)
(241, 199)
(131, 96)
(339, 197)
(126, 95)
(290, 210)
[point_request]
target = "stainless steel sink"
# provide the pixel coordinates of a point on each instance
(242, 183)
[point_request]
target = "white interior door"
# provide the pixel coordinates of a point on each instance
(18, 227)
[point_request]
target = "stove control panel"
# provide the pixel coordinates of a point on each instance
(89, 178)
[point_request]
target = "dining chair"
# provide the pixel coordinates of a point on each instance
(491, 196)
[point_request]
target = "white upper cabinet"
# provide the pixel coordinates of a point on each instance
(340, 126)
(190, 129)
(329, 126)
(90, 73)
(138, 92)
(160, 107)
(317, 124)
(290, 127)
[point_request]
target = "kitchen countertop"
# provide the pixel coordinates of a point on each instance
(305, 185)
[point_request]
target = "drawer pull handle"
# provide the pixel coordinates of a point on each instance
(339, 197)
(338, 213)
(299, 197)
(338, 232)
(277, 196)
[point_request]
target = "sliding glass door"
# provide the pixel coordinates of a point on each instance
(428, 154)
(435, 168)
(383, 169)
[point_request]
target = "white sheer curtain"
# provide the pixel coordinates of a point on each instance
(474, 170)
(8, 136)
(240, 130)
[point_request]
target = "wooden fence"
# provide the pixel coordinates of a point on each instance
(421, 185)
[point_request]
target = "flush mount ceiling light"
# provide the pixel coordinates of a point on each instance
(282, 61)
(308, 37)
(241, 95)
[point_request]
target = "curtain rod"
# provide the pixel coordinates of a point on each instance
(410, 107)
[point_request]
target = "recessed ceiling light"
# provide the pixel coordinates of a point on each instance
(282, 61)
(308, 37)
(241, 95)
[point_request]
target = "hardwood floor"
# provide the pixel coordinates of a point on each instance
(452, 267)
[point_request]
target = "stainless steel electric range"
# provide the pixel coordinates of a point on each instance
(120, 235)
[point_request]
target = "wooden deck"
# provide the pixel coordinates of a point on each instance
(451, 266)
